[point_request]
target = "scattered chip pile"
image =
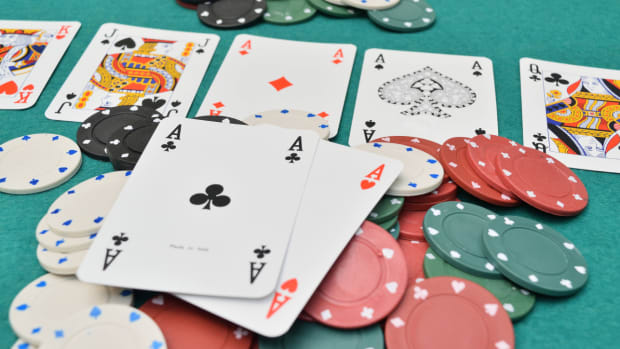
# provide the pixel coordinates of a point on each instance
(394, 15)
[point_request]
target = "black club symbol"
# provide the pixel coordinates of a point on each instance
(168, 146)
(211, 196)
(557, 79)
(480, 131)
(292, 158)
(534, 78)
(261, 252)
(119, 239)
(539, 136)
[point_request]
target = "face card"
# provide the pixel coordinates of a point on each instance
(209, 210)
(126, 65)
(260, 74)
(29, 53)
(416, 94)
(343, 187)
(572, 113)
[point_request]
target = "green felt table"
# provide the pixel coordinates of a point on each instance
(575, 32)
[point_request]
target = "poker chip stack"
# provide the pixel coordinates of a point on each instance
(385, 214)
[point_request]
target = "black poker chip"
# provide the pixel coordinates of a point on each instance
(126, 144)
(221, 118)
(231, 13)
(94, 133)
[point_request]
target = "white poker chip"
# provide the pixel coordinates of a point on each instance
(58, 243)
(60, 263)
(80, 211)
(371, 4)
(38, 162)
(293, 119)
(106, 326)
(422, 173)
(20, 344)
(38, 307)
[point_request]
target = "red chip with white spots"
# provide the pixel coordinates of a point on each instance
(415, 252)
(449, 312)
(481, 153)
(542, 181)
(411, 225)
(446, 192)
(453, 157)
(365, 284)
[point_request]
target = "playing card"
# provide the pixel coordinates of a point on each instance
(29, 53)
(343, 187)
(126, 65)
(260, 74)
(416, 94)
(209, 210)
(572, 113)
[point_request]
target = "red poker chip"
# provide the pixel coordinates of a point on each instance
(424, 206)
(449, 312)
(446, 192)
(422, 144)
(411, 225)
(481, 153)
(187, 327)
(414, 252)
(365, 284)
(187, 5)
(453, 157)
(542, 181)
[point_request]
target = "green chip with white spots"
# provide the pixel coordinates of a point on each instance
(535, 256)
(387, 225)
(516, 301)
(395, 230)
(388, 207)
(288, 11)
(334, 10)
(406, 16)
(454, 229)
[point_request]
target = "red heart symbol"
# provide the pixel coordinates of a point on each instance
(289, 285)
(28, 87)
(366, 184)
(8, 88)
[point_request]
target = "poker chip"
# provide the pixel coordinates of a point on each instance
(411, 225)
(422, 144)
(406, 16)
(220, 118)
(454, 230)
(106, 326)
(94, 133)
(187, 4)
(288, 11)
(293, 119)
(371, 4)
(185, 326)
(57, 243)
(389, 223)
(395, 230)
(312, 335)
(38, 307)
(422, 173)
(481, 153)
(387, 208)
(344, 299)
(516, 301)
(60, 263)
(447, 191)
(231, 13)
(336, 2)
(542, 181)
(335, 10)
(453, 156)
(80, 211)
(421, 206)
(38, 162)
(414, 252)
(125, 145)
(20, 344)
(449, 312)
(535, 256)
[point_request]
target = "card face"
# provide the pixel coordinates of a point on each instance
(29, 54)
(573, 113)
(343, 187)
(209, 210)
(416, 94)
(126, 65)
(260, 74)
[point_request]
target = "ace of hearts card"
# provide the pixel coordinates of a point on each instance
(127, 65)
(572, 113)
(428, 95)
(29, 54)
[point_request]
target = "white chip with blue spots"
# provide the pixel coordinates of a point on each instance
(60, 263)
(38, 162)
(58, 243)
(292, 119)
(80, 211)
(422, 173)
(46, 301)
(106, 326)
(20, 344)
(371, 4)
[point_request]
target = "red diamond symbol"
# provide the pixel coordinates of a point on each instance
(323, 114)
(218, 105)
(336, 61)
(280, 84)
(243, 52)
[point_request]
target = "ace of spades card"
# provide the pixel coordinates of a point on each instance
(210, 211)
(572, 113)
(126, 65)
(416, 94)
(260, 74)
(29, 53)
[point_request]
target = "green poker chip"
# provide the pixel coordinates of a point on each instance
(386, 209)
(387, 225)
(516, 301)
(312, 335)
(395, 230)
(333, 10)
(406, 16)
(535, 256)
(454, 229)
(288, 11)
